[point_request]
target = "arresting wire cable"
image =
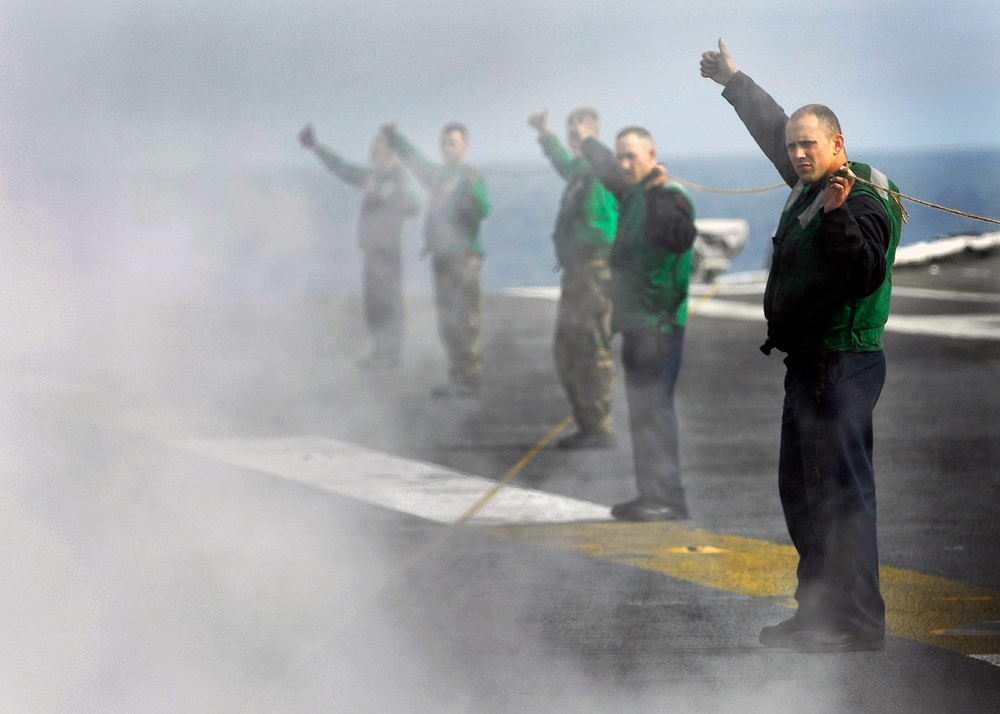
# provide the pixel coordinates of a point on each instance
(512, 473)
(515, 470)
(896, 195)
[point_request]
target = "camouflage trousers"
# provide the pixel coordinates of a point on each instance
(457, 292)
(583, 344)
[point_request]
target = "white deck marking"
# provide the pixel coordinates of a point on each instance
(415, 487)
(993, 659)
(934, 294)
(966, 327)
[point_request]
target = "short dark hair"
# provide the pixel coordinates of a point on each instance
(455, 126)
(639, 131)
(822, 112)
(583, 115)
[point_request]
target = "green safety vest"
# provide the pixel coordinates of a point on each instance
(806, 304)
(588, 213)
(650, 283)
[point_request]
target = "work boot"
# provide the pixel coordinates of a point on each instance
(643, 510)
(780, 634)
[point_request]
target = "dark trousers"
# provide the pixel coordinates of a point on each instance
(652, 362)
(382, 283)
(827, 486)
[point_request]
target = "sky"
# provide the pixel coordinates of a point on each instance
(195, 82)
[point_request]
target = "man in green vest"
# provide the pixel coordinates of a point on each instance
(826, 303)
(651, 269)
(457, 204)
(584, 232)
(389, 199)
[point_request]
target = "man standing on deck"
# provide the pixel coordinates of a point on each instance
(389, 199)
(651, 268)
(826, 302)
(584, 232)
(457, 204)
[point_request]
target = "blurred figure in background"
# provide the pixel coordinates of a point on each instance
(457, 205)
(389, 199)
(584, 232)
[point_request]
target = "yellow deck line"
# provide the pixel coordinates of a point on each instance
(919, 607)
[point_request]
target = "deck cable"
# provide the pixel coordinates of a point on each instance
(514, 470)
(897, 195)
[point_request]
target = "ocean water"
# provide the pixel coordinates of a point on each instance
(288, 232)
(517, 235)
(966, 180)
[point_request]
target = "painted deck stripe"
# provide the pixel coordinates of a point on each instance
(923, 608)
(968, 327)
(755, 286)
(421, 489)
(920, 607)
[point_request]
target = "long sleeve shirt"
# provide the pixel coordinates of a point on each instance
(389, 199)
(651, 255)
(588, 213)
(457, 201)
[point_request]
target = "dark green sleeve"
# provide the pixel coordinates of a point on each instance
(602, 212)
(563, 161)
(474, 204)
(349, 173)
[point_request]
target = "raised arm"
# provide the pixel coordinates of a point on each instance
(423, 168)
(763, 117)
(561, 158)
(605, 166)
(350, 173)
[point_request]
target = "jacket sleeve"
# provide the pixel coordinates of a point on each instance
(764, 119)
(349, 173)
(423, 169)
(669, 223)
(602, 212)
(605, 167)
(856, 238)
(563, 161)
(473, 204)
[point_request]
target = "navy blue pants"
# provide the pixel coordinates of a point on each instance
(827, 486)
(652, 362)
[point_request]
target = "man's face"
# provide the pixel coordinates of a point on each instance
(453, 147)
(814, 153)
(636, 158)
